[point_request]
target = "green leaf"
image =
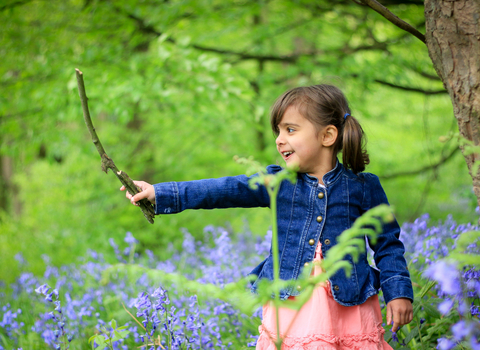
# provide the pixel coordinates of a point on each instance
(426, 288)
(431, 311)
(92, 338)
(116, 336)
(123, 334)
(100, 341)
(411, 335)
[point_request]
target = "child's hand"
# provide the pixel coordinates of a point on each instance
(147, 191)
(400, 311)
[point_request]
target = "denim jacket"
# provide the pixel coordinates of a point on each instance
(308, 212)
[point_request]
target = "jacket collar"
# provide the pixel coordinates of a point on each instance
(329, 178)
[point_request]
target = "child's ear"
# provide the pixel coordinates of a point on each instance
(330, 134)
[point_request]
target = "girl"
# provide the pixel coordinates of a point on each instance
(313, 124)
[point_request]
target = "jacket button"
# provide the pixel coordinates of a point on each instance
(311, 242)
(299, 288)
(327, 241)
(321, 195)
(306, 264)
(319, 218)
(336, 287)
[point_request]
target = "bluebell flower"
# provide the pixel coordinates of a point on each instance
(445, 306)
(461, 330)
(10, 321)
(48, 297)
(51, 271)
(447, 276)
(130, 239)
(19, 257)
(474, 309)
(445, 344)
(46, 259)
(395, 337)
(116, 250)
(43, 289)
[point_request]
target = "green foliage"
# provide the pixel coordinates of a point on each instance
(460, 254)
(176, 88)
(107, 337)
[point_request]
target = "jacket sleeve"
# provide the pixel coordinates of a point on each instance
(388, 250)
(225, 192)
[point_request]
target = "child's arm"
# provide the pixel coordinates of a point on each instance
(389, 259)
(224, 192)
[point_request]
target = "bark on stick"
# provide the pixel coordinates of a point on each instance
(107, 162)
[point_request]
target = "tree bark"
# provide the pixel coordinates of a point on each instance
(453, 41)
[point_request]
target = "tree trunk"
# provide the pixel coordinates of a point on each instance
(9, 200)
(4, 184)
(453, 41)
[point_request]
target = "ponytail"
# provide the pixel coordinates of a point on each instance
(354, 155)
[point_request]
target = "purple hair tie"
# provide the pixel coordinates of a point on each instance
(346, 115)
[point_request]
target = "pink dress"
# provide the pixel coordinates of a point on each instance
(323, 324)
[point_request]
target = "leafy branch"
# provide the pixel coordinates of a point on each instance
(107, 162)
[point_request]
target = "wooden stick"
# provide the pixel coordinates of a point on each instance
(107, 162)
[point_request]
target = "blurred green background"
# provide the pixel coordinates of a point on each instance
(176, 89)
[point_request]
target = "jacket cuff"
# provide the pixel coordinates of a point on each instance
(397, 287)
(167, 200)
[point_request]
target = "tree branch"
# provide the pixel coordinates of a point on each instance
(442, 161)
(403, 2)
(21, 114)
(406, 88)
(149, 29)
(425, 74)
(412, 89)
(107, 162)
(14, 4)
(376, 6)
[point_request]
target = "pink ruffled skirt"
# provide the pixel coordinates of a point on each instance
(323, 324)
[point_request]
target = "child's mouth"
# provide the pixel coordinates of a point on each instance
(286, 155)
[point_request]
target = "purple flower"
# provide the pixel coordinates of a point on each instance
(130, 239)
(474, 310)
(43, 289)
(445, 344)
(445, 306)
(460, 330)
(9, 321)
(394, 337)
(19, 257)
(447, 276)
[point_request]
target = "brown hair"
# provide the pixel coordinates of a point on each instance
(326, 105)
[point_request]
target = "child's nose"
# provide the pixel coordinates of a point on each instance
(279, 140)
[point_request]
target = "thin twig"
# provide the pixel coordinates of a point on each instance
(376, 6)
(141, 325)
(107, 162)
(435, 166)
(413, 89)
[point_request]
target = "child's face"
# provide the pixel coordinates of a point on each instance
(299, 142)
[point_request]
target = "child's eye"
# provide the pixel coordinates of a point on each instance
(290, 130)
